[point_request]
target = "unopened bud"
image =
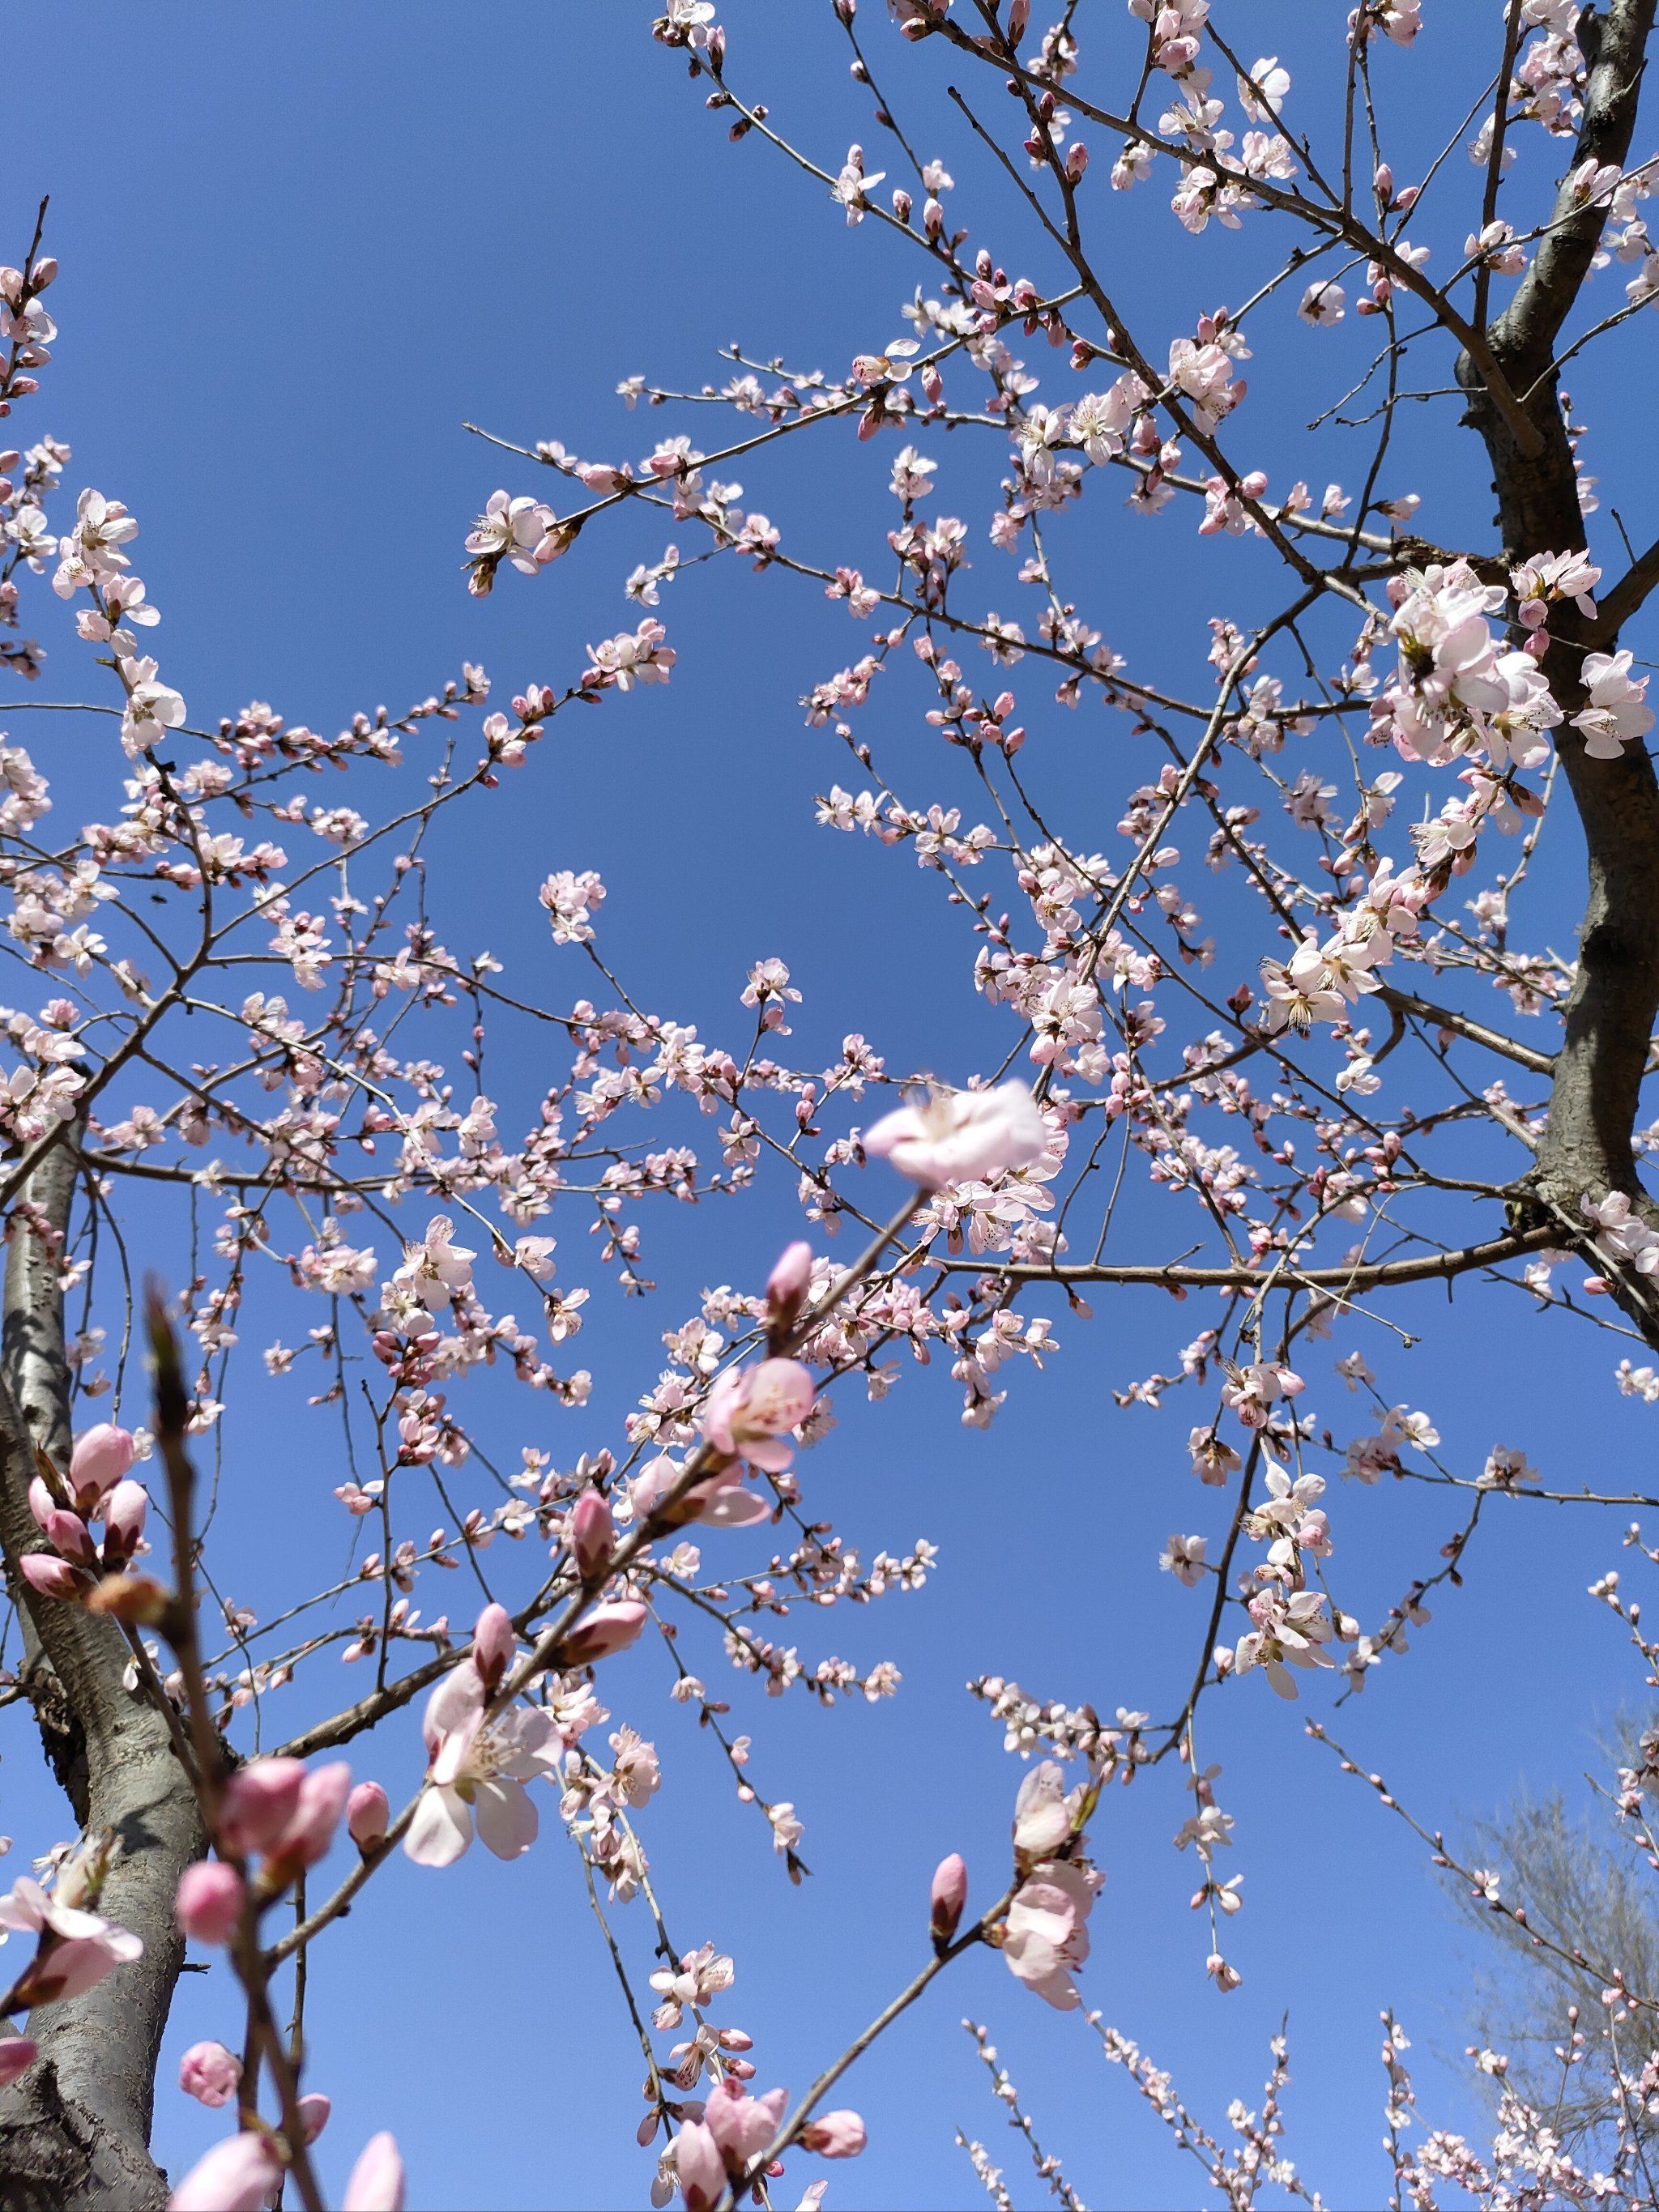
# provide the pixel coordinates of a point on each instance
(492, 1644)
(367, 1812)
(607, 1629)
(53, 1577)
(949, 1894)
(593, 1533)
(209, 1902)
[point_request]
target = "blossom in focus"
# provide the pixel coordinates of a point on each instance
(1184, 1559)
(102, 1455)
(947, 1898)
(1047, 1937)
(477, 1773)
(1323, 304)
(521, 530)
(367, 1814)
(1042, 1814)
(1618, 709)
(961, 1136)
(751, 1411)
(1261, 94)
(210, 2073)
(436, 1266)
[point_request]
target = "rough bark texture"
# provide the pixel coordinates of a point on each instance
(1610, 1014)
(74, 2132)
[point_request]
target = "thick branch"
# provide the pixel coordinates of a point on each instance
(1609, 1017)
(74, 2132)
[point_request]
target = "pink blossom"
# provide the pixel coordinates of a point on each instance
(743, 2126)
(76, 1948)
(101, 1456)
(367, 1814)
(237, 2175)
(751, 1411)
(477, 1771)
(1618, 709)
(1042, 1814)
(259, 1801)
(948, 1896)
(1047, 1938)
(608, 1628)
(210, 2073)
(314, 2108)
(209, 1902)
(720, 1500)
(376, 2179)
(308, 1833)
(17, 2055)
(53, 1577)
(125, 1511)
(834, 2134)
(699, 2166)
(961, 1136)
(591, 1534)
(492, 1645)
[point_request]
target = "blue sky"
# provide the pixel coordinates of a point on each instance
(299, 248)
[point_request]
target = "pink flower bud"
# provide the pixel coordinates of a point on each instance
(101, 1457)
(593, 1532)
(314, 2114)
(237, 2175)
(607, 1629)
(41, 1501)
(949, 1894)
(701, 2169)
(367, 1814)
(792, 1273)
(260, 1799)
(492, 1644)
(123, 1520)
(837, 2135)
(376, 2179)
(67, 1532)
(209, 1902)
(52, 1577)
(316, 1816)
(1384, 183)
(43, 271)
(17, 2055)
(210, 2073)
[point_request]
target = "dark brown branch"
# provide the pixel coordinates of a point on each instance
(1285, 1275)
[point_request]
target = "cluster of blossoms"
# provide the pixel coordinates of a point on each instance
(327, 1092)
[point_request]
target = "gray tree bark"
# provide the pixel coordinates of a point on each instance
(1595, 1096)
(74, 2130)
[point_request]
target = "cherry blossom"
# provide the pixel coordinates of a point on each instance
(477, 1773)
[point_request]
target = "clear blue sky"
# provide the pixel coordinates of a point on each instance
(299, 246)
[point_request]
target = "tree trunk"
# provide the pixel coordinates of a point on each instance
(74, 2132)
(1609, 1015)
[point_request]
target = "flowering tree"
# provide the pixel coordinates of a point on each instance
(1327, 1127)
